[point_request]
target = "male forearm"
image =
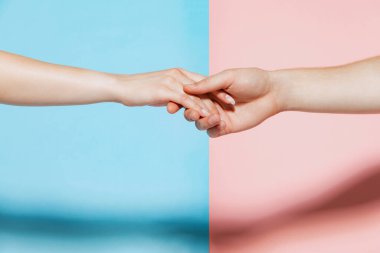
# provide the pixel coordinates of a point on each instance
(351, 88)
(24, 81)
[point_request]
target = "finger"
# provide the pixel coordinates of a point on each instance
(212, 107)
(208, 122)
(191, 115)
(173, 107)
(176, 86)
(209, 103)
(224, 97)
(185, 100)
(216, 82)
(218, 130)
(184, 77)
(202, 103)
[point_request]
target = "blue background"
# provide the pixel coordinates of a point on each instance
(104, 177)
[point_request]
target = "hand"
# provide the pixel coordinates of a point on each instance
(191, 115)
(243, 97)
(158, 89)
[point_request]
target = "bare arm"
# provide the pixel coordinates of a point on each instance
(25, 81)
(351, 88)
(260, 94)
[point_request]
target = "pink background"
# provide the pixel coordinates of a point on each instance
(298, 181)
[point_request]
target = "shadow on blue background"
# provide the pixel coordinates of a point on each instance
(104, 177)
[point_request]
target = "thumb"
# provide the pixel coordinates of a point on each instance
(216, 82)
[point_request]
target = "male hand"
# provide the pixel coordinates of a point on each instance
(243, 97)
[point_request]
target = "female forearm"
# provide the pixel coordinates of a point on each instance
(351, 88)
(24, 81)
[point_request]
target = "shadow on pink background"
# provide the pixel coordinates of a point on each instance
(299, 182)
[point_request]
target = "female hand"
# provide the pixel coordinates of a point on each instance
(159, 89)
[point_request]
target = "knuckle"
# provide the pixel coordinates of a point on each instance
(174, 72)
(188, 115)
(214, 135)
(211, 134)
(169, 80)
(198, 125)
(196, 99)
(180, 70)
(184, 98)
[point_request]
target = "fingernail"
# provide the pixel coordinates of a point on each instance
(230, 99)
(205, 112)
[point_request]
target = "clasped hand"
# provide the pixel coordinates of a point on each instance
(228, 102)
(231, 101)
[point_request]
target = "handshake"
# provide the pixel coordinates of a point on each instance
(230, 101)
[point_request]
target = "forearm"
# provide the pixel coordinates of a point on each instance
(351, 88)
(24, 81)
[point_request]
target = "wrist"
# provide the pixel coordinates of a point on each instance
(124, 90)
(117, 88)
(104, 86)
(282, 86)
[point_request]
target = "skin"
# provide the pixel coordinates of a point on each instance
(260, 94)
(208, 100)
(25, 81)
(228, 102)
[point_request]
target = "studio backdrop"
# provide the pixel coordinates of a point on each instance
(104, 178)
